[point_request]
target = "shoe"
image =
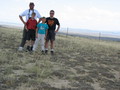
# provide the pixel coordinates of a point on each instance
(20, 48)
(31, 48)
(52, 52)
(42, 52)
(46, 51)
(28, 48)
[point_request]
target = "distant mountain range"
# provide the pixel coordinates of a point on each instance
(97, 33)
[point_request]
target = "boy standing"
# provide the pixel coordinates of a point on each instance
(31, 28)
(52, 22)
(41, 33)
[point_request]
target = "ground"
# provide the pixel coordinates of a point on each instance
(78, 64)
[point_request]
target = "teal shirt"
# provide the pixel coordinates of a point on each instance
(42, 28)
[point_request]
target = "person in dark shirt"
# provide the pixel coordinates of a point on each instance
(52, 22)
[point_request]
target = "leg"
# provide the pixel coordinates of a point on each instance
(42, 42)
(52, 39)
(36, 43)
(32, 37)
(52, 44)
(28, 42)
(52, 47)
(32, 42)
(46, 42)
(24, 38)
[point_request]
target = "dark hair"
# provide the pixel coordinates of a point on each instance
(52, 11)
(33, 13)
(31, 3)
(43, 18)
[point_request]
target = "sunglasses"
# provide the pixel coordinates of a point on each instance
(51, 13)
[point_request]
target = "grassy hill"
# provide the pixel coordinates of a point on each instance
(78, 64)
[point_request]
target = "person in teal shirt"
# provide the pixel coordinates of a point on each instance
(41, 33)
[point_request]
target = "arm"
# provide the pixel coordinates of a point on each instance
(39, 20)
(57, 28)
(38, 16)
(26, 25)
(23, 14)
(22, 20)
(46, 34)
(57, 22)
(37, 33)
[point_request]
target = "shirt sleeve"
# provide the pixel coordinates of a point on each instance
(23, 13)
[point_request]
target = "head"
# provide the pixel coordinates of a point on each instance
(31, 5)
(43, 19)
(52, 12)
(33, 15)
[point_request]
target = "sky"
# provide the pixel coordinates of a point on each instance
(84, 14)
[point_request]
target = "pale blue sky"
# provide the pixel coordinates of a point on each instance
(85, 14)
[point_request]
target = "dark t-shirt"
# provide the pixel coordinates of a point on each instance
(52, 22)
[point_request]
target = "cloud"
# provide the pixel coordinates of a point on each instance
(70, 14)
(91, 18)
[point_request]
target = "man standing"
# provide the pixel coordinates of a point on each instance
(27, 14)
(52, 22)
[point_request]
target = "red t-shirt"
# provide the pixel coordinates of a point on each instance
(31, 24)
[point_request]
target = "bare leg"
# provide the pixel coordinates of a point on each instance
(32, 43)
(52, 47)
(46, 44)
(52, 44)
(28, 43)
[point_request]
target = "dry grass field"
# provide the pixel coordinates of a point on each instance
(78, 64)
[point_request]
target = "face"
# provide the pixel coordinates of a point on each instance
(52, 14)
(43, 20)
(31, 6)
(33, 16)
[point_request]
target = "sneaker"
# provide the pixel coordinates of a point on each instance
(46, 51)
(52, 52)
(42, 52)
(28, 48)
(20, 48)
(31, 48)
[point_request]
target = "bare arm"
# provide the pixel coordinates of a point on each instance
(57, 28)
(39, 20)
(46, 33)
(37, 33)
(22, 20)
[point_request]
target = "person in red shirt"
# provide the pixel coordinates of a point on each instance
(31, 26)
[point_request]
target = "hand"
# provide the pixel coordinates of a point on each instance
(26, 28)
(56, 31)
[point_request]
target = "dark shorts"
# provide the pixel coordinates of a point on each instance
(31, 35)
(51, 35)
